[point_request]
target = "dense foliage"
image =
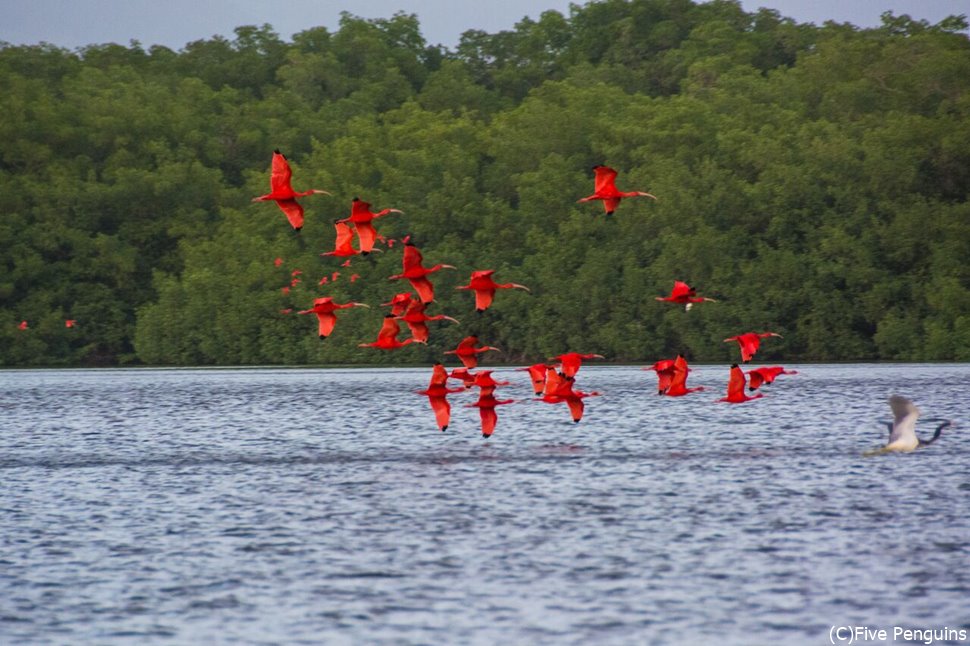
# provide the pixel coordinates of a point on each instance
(812, 179)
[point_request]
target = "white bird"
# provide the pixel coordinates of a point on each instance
(902, 430)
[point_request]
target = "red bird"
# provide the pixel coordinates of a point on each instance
(483, 285)
(665, 374)
(22, 325)
(537, 373)
(72, 322)
(766, 375)
(467, 352)
(324, 308)
(750, 342)
(416, 273)
(684, 294)
(362, 219)
(486, 409)
(387, 337)
(605, 190)
(399, 303)
(735, 389)
(572, 361)
(343, 244)
(281, 191)
(467, 378)
(417, 320)
(559, 389)
(678, 382)
(437, 393)
(483, 379)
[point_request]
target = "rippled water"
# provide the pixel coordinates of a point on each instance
(323, 506)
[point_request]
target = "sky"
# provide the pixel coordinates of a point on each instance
(174, 23)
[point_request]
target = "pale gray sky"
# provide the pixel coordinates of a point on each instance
(174, 23)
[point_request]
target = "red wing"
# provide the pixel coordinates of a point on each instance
(279, 180)
(411, 259)
(605, 180)
(576, 408)
(423, 287)
(367, 235)
(389, 330)
(553, 382)
(293, 211)
(345, 238)
(483, 298)
(735, 387)
(419, 331)
(327, 321)
(439, 376)
(757, 378)
(442, 411)
(664, 379)
(680, 290)
(489, 420)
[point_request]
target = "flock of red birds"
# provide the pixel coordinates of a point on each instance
(553, 382)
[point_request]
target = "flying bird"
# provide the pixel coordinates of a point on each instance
(537, 374)
(735, 389)
(559, 389)
(324, 308)
(484, 287)
(437, 393)
(678, 380)
(416, 273)
(684, 294)
(759, 376)
(606, 191)
(749, 343)
(571, 362)
(387, 336)
(399, 303)
(281, 191)
(417, 320)
(902, 430)
(467, 378)
(362, 218)
(343, 245)
(22, 325)
(467, 353)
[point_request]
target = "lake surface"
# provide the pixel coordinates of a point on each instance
(289, 506)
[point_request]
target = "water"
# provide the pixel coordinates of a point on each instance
(323, 506)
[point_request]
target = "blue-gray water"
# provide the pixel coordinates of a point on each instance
(287, 506)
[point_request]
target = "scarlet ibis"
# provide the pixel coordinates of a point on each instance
(416, 273)
(750, 342)
(362, 218)
(324, 308)
(605, 190)
(665, 373)
(399, 303)
(467, 378)
(735, 389)
(437, 393)
(69, 323)
(483, 379)
(417, 320)
(902, 430)
(570, 362)
(766, 375)
(484, 287)
(343, 245)
(22, 325)
(678, 381)
(486, 408)
(684, 294)
(559, 389)
(281, 191)
(537, 373)
(278, 261)
(387, 337)
(468, 353)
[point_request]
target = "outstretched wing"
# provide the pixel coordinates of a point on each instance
(293, 211)
(905, 415)
(605, 179)
(279, 180)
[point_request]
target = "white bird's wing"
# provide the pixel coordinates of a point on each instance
(905, 415)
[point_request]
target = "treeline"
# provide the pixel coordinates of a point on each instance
(812, 179)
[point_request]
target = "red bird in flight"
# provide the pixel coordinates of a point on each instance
(559, 389)
(417, 320)
(750, 342)
(362, 218)
(399, 303)
(735, 389)
(766, 375)
(605, 190)
(416, 273)
(484, 287)
(684, 294)
(678, 382)
(387, 337)
(343, 245)
(437, 393)
(537, 374)
(324, 308)
(468, 353)
(572, 361)
(281, 191)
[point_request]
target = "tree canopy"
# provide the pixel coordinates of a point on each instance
(812, 179)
